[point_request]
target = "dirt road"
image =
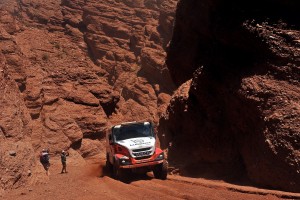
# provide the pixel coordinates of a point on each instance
(85, 182)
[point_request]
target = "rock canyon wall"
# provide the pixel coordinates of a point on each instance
(237, 108)
(71, 69)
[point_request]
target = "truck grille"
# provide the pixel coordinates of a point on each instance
(139, 150)
(144, 157)
(142, 153)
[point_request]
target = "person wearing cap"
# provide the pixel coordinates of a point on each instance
(63, 157)
(44, 159)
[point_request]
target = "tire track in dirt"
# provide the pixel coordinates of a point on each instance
(90, 181)
(184, 190)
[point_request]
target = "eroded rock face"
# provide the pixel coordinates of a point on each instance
(76, 68)
(239, 111)
(17, 156)
(102, 60)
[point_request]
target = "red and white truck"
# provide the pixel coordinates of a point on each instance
(131, 147)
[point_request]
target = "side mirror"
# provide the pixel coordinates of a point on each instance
(111, 142)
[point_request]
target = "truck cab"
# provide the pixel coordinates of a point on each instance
(131, 146)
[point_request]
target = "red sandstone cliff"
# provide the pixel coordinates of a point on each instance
(239, 111)
(70, 69)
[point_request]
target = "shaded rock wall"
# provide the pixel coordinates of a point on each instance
(239, 111)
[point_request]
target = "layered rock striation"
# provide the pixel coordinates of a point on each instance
(76, 68)
(17, 160)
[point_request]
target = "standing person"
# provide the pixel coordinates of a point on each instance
(45, 160)
(63, 157)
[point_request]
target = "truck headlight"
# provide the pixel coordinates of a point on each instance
(124, 160)
(161, 156)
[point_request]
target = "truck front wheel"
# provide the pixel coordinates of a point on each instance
(121, 174)
(108, 165)
(161, 171)
(116, 172)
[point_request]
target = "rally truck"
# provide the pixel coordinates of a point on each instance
(131, 147)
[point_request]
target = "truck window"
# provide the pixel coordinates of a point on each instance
(133, 131)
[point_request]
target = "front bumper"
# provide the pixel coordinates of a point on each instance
(136, 165)
(129, 162)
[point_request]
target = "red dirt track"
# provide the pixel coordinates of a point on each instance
(89, 182)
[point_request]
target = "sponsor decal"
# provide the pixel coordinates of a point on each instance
(139, 142)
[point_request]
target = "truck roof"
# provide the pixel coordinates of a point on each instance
(132, 122)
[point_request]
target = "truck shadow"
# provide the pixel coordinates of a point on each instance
(127, 176)
(132, 177)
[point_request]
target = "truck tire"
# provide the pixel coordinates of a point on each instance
(161, 171)
(121, 174)
(117, 172)
(108, 166)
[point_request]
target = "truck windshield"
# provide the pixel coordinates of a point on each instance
(132, 131)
